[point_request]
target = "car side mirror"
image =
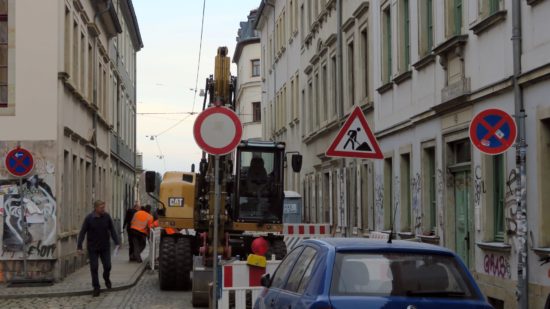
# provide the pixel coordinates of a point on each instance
(296, 163)
(266, 280)
(150, 181)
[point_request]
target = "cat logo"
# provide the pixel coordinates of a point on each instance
(175, 202)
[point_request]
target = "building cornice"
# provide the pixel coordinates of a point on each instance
(240, 46)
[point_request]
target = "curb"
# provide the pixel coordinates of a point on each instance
(133, 281)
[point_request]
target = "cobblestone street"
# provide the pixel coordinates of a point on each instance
(146, 294)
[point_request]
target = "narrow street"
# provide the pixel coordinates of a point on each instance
(146, 294)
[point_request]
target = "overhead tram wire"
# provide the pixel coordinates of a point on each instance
(199, 60)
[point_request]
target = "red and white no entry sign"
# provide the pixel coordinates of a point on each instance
(217, 130)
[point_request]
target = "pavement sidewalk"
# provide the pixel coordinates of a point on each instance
(124, 275)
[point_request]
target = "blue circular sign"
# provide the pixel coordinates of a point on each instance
(19, 162)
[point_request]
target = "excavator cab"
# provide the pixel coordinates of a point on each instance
(259, 182)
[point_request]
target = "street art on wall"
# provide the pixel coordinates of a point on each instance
(29, 202)
(497, 265)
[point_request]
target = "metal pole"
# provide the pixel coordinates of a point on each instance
(521, 151)
(25, 227)
(216, 219)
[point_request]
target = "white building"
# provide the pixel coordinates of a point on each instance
(249, 84)
(420, 70)
(68, 89)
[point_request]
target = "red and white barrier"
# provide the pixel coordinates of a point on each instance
(295, 233)
(240, 278)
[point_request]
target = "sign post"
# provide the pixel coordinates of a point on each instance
(217, 131)
(354, 140)
(20, 162)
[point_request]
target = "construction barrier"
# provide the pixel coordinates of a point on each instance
(154, 244)
(379, 235)
(296, 233)
(241, 283)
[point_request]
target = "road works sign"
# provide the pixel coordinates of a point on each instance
(493, 131)
(19, 162)
(355, 139)
(217, 130)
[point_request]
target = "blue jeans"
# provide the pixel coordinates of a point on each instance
(105, 256)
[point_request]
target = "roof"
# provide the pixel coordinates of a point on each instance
(352, 244)
(134, 30)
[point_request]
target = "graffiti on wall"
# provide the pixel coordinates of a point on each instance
(379, 202)
(32, 204)
(511, 206)
(479, 186)
(440, 213)
(497, 265)
(396, 202)
(28, 208)
(416, 188)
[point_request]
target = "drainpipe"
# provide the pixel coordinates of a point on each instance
(521, 152)
(96, 108)
(340, 96)
(273, 124)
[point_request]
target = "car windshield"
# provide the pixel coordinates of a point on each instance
(399, 274)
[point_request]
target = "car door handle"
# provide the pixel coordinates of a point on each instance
(272, 303)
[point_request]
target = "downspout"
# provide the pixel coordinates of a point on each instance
(96, 108)
(273, 124)
(340, 95)
(521, 152)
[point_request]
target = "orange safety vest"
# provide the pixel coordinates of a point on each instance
(170, 231)
(142, 222)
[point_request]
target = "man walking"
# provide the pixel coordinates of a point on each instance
(96, 228)
(127, 223)
(139, 228)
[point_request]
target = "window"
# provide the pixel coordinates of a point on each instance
(488, 7)
(429, 193)
(255, 67)
(453, 17)
(406, 192)
(351, 74)
(406, 274)
(286, 265)
(302, 20)
(76, 58)
(324, 98)
(307, 275)
(365, 62)
(310, 106)
(295, 278)
(426, 32)
(404, 36)
(388, 193)
(296, 98)
(498, 196)
(386, 45)
(333, 87)
(3, 54)
(316, 100)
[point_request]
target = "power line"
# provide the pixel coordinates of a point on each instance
(173, 126)
(199, 61)
(168, 113)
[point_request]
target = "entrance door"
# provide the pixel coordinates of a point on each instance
(462, 186)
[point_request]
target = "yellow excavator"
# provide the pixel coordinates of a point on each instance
(252, 184)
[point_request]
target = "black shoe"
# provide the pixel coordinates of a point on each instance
(108, 284)
(96, 293)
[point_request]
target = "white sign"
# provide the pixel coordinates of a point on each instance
(175, 202)
(290, 209)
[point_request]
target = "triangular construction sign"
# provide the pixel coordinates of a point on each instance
(355, 139)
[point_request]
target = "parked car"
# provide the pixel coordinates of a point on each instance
(336, 273)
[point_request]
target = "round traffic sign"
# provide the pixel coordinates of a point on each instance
(217, 130)
(493, 131)
(19, 162)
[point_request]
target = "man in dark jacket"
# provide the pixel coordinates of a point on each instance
(96, 228)
(127, 223)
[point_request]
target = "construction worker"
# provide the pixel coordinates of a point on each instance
(127, 222)
(140, 228)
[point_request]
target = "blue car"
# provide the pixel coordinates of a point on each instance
(337, 273)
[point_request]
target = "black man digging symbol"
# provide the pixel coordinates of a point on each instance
(355, 139)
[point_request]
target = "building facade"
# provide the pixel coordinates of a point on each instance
(61, 102)
(249, 84)
(420, 70)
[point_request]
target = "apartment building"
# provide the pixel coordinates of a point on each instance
(249, 84)
(68, 91)
(420, 70)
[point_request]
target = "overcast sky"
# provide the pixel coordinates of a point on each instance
(167, 68)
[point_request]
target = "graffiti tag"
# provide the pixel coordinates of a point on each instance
(497, 265)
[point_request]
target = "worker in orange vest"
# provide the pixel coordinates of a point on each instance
(140, 227)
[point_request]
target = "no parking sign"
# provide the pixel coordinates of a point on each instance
(19, 162)
(493, 131)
